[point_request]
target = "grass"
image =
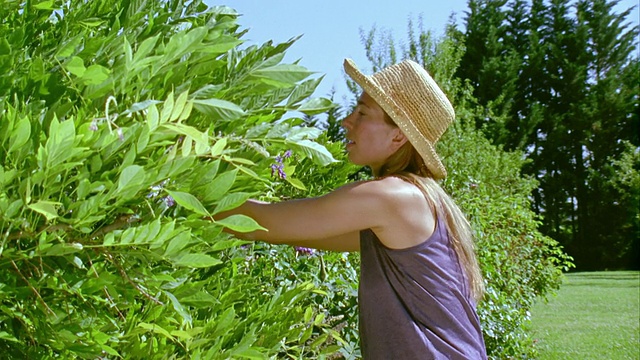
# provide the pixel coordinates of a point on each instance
(595, 315)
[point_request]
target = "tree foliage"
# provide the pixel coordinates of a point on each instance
(561, 81)
(123, 124)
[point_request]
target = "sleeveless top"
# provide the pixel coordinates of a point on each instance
(414, 302)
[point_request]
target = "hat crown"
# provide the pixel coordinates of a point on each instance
(413, 100)
(415, 92)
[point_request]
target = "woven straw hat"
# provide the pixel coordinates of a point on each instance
(408, 94)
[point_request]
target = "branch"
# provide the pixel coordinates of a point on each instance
(33, 289)
(121, 222)
(136, 286)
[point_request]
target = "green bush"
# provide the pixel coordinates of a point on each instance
(519, 264)
(124, 123)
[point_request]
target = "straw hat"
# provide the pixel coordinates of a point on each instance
(408, 94)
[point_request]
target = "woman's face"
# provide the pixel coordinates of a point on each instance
(370, 139)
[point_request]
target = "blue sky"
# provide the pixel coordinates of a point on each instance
(330, 29)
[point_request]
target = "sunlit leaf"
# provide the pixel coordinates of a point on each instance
(283, 73)
(196, 261)
(95, 74)
(218, 147)
(316, 106)
(44, 5)
(318, 153)
(46, 208)
(219, 109)
(219, 186)
(76, 66)
(69, 47)
(131, 175)
(231, 201)
(240, 223)
(188, 201)
(20, 134)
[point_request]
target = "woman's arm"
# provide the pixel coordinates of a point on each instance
(343, 243)
(330, 222)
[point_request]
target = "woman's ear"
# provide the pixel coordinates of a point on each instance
(398, 139)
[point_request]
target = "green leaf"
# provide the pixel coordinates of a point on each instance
(62, 249)
(179, 242)
(219, 109)
(59, 146)
(296, 183)
(219, 245)
(231, 201)
(177, 306)
(250, 353)
(218, 147)
(283, 73)
(167, 107)
(153, 117)
(240, 223)
(6, 336)
(184, 42)
(145, 48)
(131, 176)
(303, 91)
(318, 153)
(44, 5)
(109, 350)
(187, 130)
(221, 45)
(224, 322)
(95, 74)
(316, 106)
(179, 105)
(20, 134)
(196, 261)
(76, 66)
(188, 201)
(46, 208)
(219, 186)
(143, 139)
(5, 47)
(139, 106)
(300, 133)
(156, 329)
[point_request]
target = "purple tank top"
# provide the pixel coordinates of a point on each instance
(414, 302)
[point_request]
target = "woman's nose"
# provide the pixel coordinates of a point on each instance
(346, 122)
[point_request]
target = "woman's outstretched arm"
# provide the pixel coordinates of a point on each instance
(329, 222)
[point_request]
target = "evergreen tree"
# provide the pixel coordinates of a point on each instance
(568, 97)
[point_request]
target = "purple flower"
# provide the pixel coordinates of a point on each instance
(287, 154)
(304, 250)
(120, 134)
(279, 170)
(93, 126)
(169, 201)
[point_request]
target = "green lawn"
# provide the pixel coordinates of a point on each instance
(595, 315)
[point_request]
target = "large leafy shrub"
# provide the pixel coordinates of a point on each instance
(123, 124)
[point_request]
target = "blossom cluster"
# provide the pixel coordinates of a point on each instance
(278, 167)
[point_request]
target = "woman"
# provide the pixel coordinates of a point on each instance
(419, 280)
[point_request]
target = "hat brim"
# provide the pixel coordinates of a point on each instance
(385, 101)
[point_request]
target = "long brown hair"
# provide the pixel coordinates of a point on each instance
(407, 164)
